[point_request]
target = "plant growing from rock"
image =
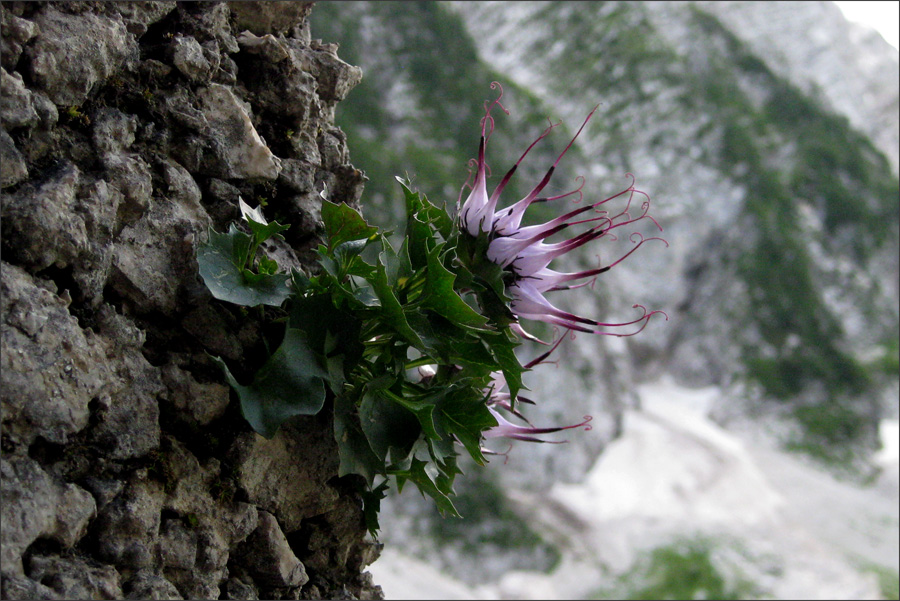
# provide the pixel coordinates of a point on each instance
(417, 350)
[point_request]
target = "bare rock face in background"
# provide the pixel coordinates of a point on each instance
(129, 129)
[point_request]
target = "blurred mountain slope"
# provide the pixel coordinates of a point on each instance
(765, 135)
(781, 210)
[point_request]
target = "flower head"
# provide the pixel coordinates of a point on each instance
(524, 253)
(497, 399)
(505, 429)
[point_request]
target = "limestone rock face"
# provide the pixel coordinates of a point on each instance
(128, 130)
(71, 56)
(824, 64)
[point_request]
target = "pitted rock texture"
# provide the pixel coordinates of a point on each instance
(128, 130)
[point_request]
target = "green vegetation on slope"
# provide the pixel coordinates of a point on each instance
(491, 527)
(842, 176)
(684, 569)
(888, 580)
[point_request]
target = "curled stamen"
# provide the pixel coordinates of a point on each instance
(638, 244)
(645, 319)
(543, 357)
(575, 191)
(486, 133)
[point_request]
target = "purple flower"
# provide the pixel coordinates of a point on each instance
(506, 429)
(498, 399)
(523, 251)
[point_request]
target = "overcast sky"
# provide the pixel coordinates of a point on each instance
(883, 16)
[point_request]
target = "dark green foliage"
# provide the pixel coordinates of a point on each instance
(290, 383)
(223, 268)
(888, 580)
(359, 331)
(829, 431)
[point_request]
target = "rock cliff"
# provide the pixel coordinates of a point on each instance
(129, 129)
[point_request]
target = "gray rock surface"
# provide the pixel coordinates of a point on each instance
(38, 225)
(239, 151)
(128, 130)
(295, 493)
(16, 32)
(52, 368)
(29, 499)
(147, 585)
(17, 108)
(76, 52)
(76, 578)
(12, 165)
(268, 556)
(269, 17)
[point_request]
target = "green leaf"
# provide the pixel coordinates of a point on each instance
(464, 414)
(503, 350)
(391, 310)
(387, 425)
(473, 352)
(372, 506)
(441, 298)
(351, 263)
(290, 383)
(221, 260)
(355, 453)
(397, 265)
(332, 333)
(486, 278)
(443, 450)
(428, 484)
(343, 223)
(421, 239)
(345, 251)
(354, 290)
(262, 229)
(418, 204)
(424, 411)
(440, 336)
(424, 224)
(262, 232)
(365, 296)
(268, 266)
(299, 281)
